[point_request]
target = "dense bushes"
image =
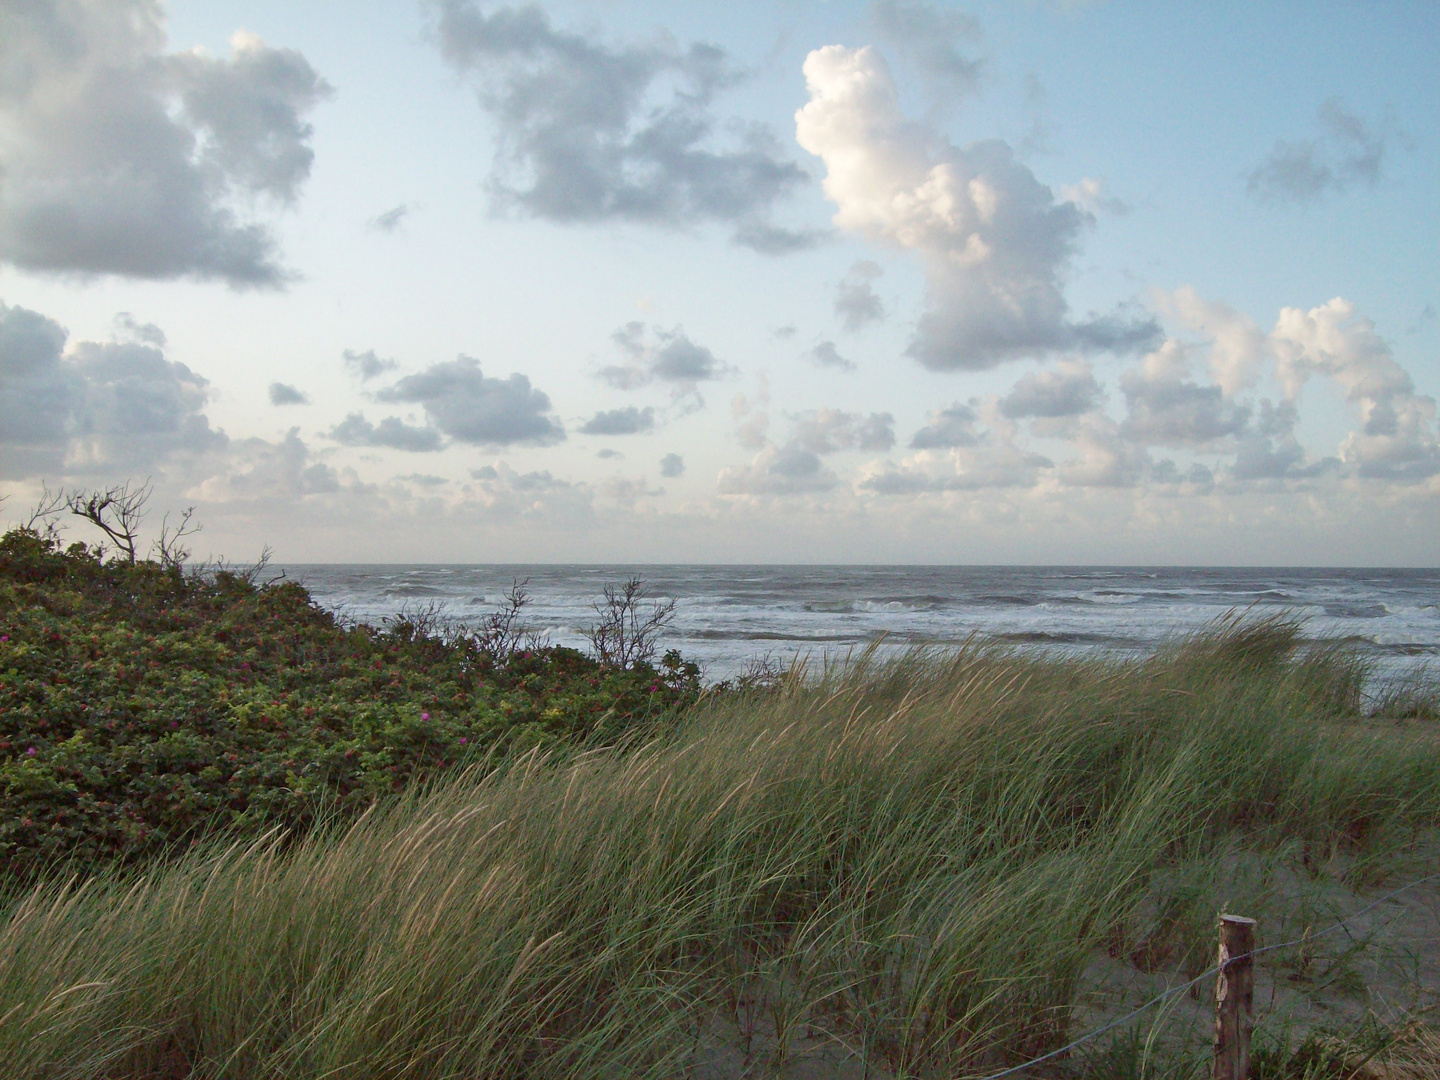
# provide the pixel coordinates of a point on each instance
(141, 706)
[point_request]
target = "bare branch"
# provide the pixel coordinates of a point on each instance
(251, 574)
(116, 511)
(168, 546)
(625, 635)
(502, 634)
(42, 520)
(212, 568)
(415, 621)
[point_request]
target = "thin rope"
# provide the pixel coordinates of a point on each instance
(1201, 978)
(1348, 918)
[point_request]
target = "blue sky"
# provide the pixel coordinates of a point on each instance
(885, 282)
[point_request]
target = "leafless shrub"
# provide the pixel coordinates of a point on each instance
(343, 614)
(249, 573)
(499, 636)
(502, 634)
(172, 553)
(416, 620)
(765, 674)
(42, 520)
(626, 634)
(252, 573)
(117, 512)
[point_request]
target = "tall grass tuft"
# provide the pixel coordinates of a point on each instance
(907, 861)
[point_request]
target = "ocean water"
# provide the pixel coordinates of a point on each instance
(729, 616)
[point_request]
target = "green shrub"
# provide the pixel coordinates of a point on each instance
(141, 706)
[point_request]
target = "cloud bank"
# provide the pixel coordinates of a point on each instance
(121, 158)
(471, 407)
(391, 432)
(1349, 153)
(939, 43)
(826, 355)
(668, 357)
(626, 421)
(285, 394)
(856, 302)
(589, 131)
(795, 467)
(117, 407)
(366, 365)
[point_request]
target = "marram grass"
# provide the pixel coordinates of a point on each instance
(908, 862)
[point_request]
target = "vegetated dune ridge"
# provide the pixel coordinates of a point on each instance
(145, 705)
(902, 867)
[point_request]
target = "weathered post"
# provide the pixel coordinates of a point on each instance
(1234, 999)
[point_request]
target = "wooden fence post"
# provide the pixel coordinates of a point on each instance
(1234, 999)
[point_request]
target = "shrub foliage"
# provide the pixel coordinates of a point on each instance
(141, 706)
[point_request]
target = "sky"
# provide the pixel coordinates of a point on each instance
(786, 282)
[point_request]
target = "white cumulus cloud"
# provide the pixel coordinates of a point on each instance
(1396, 438)
(995, 240)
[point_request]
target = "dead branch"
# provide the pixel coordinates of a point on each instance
(626, 635)
(116, 511)
(42, 520)
(168, 547)
(502, 634)
(418, 620)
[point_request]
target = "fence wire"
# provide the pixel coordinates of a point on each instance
(1174, 990)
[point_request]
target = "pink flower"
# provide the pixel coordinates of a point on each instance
(30, 752)
(4, 637)
(463, 740)
(424, 716)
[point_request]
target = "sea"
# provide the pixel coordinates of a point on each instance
(730, 618)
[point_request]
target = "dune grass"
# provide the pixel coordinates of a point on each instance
(905, 864)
